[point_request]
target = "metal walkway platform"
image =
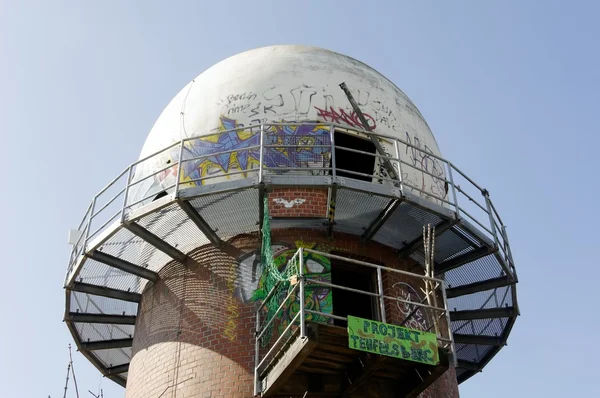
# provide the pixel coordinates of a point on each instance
(127, 237)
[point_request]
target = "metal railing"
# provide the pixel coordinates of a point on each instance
(434, 318)
(305, 149)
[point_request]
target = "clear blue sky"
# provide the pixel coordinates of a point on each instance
(510, 89)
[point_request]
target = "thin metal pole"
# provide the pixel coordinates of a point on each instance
(456, 208)
(381, 300)
(449, 324)
(399, 166)
(126, 196)
(73, 372)
(179, 166)
(302, 309)
(257, 354)
(486, 196)
(89, 223)
(261, 153)
(67, 380)
(332, 139)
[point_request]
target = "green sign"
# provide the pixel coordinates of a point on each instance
(392, 340)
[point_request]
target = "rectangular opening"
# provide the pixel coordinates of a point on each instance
(346, 302)
(352, 161)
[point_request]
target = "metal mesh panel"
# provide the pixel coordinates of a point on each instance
(448, 244)
(129, 247)
(479, 270)
(481, 300)
(103, 331)
(461, 372)
(354, 211)
(484, 327)
(230, 213)
(472, 352)
(91, 304)
(173, 226)
(114, 356)
(97, 273)
(404, 226)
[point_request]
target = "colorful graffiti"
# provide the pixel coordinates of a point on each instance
(422, 161)
(317, 298)
(342, 117)
(406, 292)
(234, 148)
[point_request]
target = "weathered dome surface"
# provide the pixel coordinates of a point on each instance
(287, 83)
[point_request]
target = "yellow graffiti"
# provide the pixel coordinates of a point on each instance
(232, 309)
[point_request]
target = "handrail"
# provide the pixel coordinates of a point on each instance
(264, 147)
(444, 336)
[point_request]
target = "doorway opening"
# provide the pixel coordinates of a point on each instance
(346, 302)
(351, 161)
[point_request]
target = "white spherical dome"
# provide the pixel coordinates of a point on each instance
(292, 83)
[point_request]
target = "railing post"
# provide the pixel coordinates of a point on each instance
(399, 165)
(89, 223)
(261, 153)
(454, 195)
(257, 386)
(302, 309)
(332, 141)
(380, 290)
(449, 324)
(126, 196)
(179, 166)
(486, 195)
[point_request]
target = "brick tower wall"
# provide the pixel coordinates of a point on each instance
(195, 328)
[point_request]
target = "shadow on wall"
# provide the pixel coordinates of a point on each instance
(196, 304)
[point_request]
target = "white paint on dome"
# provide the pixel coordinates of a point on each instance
(291, 83)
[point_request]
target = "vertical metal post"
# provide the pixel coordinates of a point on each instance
(399, 165)
(380, 291)
(456, 208)
(261, 153)
(89, 223)
(488, 206)
(450, 335)
(508, 251)
(257, 355)
(332, 141)
(302, 310)
(179, 166)
(126, 196)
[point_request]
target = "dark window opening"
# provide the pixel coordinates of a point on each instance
(352, 161)
(352, 303)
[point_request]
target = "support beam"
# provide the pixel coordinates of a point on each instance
(101, 318)
(416, 244)
(455, 262)
(467, 315)
(473, 366)
(380, 220)
(364, 372)
(123, 265)
(386, 162)
(105, 344)
(200, 223)
(106, 292)
(478, 339)
(331, 214)
(155, 241)
(117, 369)
(261, 205)
(479, 286)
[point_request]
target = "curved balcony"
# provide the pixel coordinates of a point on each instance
(205, 190)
